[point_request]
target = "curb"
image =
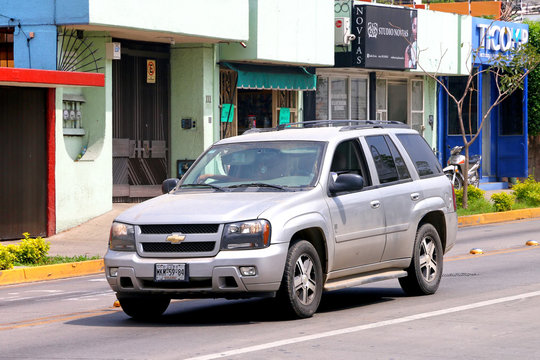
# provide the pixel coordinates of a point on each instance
(49, 272)
(490, 218)
(60, 271)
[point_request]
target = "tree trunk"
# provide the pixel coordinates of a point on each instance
(466, 176)
(534, 156)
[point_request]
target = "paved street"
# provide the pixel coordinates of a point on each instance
(486, 308)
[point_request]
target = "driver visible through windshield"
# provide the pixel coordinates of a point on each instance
(276, 165)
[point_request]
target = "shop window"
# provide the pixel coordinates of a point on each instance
(254, 109)
(321, 99)
(339, 99)
(417, 105)
(348, 98)
(456, 85)
(511, 114)
(397, 106)
(6, 47)
(359, 97)
(381, 100)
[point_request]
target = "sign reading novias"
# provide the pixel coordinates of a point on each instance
(385, 38)
(493, 38)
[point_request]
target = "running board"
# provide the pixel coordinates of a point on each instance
(363, 279)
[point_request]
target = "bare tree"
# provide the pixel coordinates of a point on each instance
(508, 70)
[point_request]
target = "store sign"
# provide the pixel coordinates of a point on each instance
(493, 38)
(385, 37)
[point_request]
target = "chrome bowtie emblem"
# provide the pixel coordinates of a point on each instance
(175, 239)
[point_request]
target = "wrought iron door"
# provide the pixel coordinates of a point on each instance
(140, 121)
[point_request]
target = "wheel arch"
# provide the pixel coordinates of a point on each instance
(315, 236)
(436, 218)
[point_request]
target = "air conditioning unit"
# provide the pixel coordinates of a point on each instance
(342, 31)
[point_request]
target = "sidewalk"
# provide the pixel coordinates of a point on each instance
(90, 238)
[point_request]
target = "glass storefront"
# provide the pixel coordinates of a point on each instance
(347, 97)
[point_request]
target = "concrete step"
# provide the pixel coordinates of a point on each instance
(493, 185)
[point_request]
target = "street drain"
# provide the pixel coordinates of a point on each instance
(460, 274)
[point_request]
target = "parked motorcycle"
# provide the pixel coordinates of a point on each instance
(456, 167)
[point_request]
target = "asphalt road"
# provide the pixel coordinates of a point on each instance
(486, 308)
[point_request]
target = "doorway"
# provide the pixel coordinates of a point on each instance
(23, 183)
(140, 121)
(254, 109)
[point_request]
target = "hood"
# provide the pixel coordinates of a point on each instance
(203, 206)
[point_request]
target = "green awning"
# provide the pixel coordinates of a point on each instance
(273, 77)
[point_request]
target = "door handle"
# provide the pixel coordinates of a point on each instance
(415, 196)
(375, 204)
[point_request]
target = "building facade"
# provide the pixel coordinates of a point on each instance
(160, 100)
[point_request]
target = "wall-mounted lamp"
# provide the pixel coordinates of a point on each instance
(244, 45)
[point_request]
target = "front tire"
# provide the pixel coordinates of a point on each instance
(455, 179)
(425, 271)
(301, 286)
(144, 308)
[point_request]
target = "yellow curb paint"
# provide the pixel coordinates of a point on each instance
(47, 272)
(491, 218)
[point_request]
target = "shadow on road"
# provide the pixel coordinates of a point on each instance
(220, 312)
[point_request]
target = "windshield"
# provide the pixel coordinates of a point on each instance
(276, 165)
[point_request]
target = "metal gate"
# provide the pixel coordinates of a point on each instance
(140, 121)
(23, 164)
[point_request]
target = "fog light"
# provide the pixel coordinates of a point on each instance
(248, 270)
(113, 272)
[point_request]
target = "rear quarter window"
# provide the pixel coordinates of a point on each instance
(422, 156)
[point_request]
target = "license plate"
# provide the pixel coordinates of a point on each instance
(170, 272)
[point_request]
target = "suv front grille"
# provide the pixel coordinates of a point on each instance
(180, 228)
(201, 246)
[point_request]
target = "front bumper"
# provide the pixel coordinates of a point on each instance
(217, 276)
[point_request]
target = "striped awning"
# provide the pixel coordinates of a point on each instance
(273, 77)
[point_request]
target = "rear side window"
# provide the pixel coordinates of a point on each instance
(388, 161)
(421, 154)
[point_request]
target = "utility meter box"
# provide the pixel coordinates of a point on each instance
(342, 30)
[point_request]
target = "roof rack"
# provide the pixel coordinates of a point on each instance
(344, 124)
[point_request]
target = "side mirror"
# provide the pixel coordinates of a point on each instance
(168, 185)
(346, 183)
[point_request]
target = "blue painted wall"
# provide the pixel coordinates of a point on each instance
(40, 17)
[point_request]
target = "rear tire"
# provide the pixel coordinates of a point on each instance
(425, 271)
(144, 308)
(301, 286)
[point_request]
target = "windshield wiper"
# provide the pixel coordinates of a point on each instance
(203, 185)
(258, 184)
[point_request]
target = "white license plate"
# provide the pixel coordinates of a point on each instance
(170, 272)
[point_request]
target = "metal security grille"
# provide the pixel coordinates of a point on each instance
(140, 121)
(180, 228)
(23, 165)
(189, 247)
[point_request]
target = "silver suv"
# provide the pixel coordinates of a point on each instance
(289, 213)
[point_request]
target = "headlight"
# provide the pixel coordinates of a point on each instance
(253, 234)
(122, 237)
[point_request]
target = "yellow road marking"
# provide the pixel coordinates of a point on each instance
(55, 318)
